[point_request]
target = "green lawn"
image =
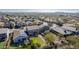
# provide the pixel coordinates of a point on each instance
(13, 47)
(1, 45)
(38, 40)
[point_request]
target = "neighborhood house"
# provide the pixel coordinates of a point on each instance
(4, 32)
(19, 36)
(35, 29)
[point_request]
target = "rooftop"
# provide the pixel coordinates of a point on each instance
(18, 32)
(32, 27)
(4, 30)
(61, 30)
(69, 28)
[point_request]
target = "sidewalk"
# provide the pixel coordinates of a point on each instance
(41, 37)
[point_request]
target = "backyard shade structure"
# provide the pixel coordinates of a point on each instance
(19, 37)
(4, 32)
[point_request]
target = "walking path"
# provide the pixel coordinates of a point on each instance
(41, 37)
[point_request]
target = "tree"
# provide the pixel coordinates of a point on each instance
(50, 37)
(35, 46)
(72, 39)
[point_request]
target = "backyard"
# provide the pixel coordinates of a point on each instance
(1, 45)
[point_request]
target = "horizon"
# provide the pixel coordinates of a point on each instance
(41, 10)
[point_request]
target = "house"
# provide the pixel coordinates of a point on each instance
(2, 24)
(70, 25)
(37, 22)
(19, 37)
(65, 30)
(18, 25)
(30, 20)
(60, 30)
(43, 27)
(9, 24)
(4, 32)
(72, 29)
(32, 30)
(29, 23)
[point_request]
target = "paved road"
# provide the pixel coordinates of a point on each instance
(8, 41)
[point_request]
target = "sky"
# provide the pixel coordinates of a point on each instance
(40, 10)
